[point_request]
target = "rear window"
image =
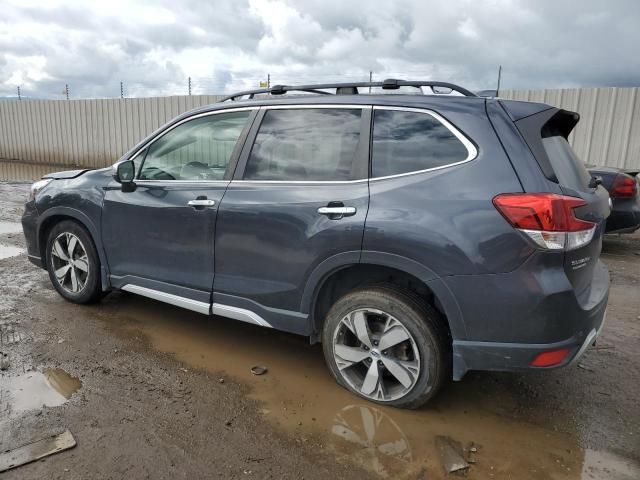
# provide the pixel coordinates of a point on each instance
(569, 169)
(405, 142)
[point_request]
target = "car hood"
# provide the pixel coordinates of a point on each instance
(66, 174)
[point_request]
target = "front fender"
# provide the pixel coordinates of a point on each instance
(86, 222)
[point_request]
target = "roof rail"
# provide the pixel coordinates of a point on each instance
(349, 88)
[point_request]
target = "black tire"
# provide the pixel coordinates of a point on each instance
(420, 319)
(91, 290)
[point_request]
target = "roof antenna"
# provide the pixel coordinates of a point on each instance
(499, 76)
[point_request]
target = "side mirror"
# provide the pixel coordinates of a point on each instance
(125, 173)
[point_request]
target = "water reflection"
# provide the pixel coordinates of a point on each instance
(382, 440)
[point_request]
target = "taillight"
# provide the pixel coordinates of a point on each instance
(624, 186)
(547, 218)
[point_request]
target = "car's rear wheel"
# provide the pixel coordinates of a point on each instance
(387, 346)
(73, 263)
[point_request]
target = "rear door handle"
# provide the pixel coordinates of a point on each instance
(201, 203)
(344, 211)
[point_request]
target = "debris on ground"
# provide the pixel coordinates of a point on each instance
(471, 453)
(258, 370)
(36, 450)
(584, 367)
(451, 454)
(4, 361)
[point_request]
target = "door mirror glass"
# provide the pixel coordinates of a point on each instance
(125, 172)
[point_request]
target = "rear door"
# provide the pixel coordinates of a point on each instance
(298, 198)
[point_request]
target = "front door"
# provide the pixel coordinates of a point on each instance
(299, 197)
(159, 237)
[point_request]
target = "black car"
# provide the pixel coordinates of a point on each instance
(416, 236)
(625, 197)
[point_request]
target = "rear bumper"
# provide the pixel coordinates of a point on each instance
(533, 312)
(507, 357)
(625, 216)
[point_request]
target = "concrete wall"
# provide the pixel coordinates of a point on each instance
(38, 136)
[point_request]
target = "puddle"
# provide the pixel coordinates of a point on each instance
(32, 390)
(8, 251)
(10, 227)
(299, 395)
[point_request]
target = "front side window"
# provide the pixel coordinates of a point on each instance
(312, 144)
(199, 149)
(405, 142)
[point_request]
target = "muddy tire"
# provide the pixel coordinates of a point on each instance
(73, 263)
(387, 346)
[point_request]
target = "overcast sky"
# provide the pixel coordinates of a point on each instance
(225, 45)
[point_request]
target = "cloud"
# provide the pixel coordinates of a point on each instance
(233, 44)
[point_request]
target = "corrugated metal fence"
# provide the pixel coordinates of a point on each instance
(609, 129)
(39, 136)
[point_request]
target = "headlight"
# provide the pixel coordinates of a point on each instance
(36, 187)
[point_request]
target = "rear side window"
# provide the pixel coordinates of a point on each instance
(306, 144)
(569, 169)
(406, 142)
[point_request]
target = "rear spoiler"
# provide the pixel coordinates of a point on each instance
(542, 121)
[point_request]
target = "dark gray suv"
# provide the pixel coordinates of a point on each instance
(417, 236)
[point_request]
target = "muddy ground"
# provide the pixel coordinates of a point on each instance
(153, 391)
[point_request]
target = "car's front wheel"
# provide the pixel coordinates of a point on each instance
(73, 263)
(386, 346)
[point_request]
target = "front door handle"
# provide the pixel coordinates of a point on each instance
(201, 203)
(344, 211)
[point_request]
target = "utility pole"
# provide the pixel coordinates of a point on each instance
(268, 80)
(370, 80)
(189, 86)
(66, 90)
(499, 76)
(19, 96)
(121, 89)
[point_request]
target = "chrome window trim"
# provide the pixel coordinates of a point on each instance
(316, 106)
(182, 182)
(471, 148)
(171, 127)
(472, 151)
(300, 182)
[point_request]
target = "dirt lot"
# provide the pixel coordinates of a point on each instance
(158, 392)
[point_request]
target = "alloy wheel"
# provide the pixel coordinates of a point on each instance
(70, 262)
(376, 354)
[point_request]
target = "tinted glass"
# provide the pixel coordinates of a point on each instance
(305, 144)
(569, 169)
(199, 149)
(410, 141)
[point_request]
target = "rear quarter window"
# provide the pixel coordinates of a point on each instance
(569, 169)
(406, 141)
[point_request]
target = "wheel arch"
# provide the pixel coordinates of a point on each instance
(55, 215)
(339, 274)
